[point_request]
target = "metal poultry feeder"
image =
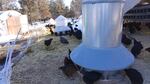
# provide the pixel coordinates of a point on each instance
(101, 48)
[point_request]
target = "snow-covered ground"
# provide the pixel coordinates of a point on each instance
(41, 25)
(61, 28)
(7, 38)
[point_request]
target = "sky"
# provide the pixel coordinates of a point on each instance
(67, 2)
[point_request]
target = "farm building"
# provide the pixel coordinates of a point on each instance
(11, 21)
(61, 24)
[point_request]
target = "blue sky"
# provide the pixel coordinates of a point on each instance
(67, 2)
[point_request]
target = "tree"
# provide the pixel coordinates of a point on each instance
(71, 14)
(52, 7)
(43, 6)
(66, 11)
(60, 6)
(76, 7)
(5, 4)
(30, 7)
(1, 8)
(57, 7)
(14, 6)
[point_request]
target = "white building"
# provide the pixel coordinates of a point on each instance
(61, 24)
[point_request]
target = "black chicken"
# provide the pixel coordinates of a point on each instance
(48, 42)
(63, 40)
(51, 31)
(136, 49)
(71, 31)
(67, 60)
(77, 34)
(56, 34)
(91, 77)
(48, 26)
(134, 76)
(126, 40)
(69, 52)
(148, 49)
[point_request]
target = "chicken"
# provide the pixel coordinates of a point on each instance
(148, 49)
(136, 49)
(48, 42)
(63, 40)
(134, 76)
(68, 60)
(66, 32)
(126, 40)
(51, 31)
(71, 29)
(91, 77)
(69, 52)
(48, 26)
(69, 70)
(56, 34)
(78, 34)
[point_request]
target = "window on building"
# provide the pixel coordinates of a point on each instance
(149, 10)
(148, 17)
(145, 10)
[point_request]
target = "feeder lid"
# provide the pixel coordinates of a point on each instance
(107, 59)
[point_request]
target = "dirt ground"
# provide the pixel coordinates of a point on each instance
(41, 66)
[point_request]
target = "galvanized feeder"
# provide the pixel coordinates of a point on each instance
(101, 48)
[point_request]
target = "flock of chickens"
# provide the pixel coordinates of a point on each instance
(90, 77)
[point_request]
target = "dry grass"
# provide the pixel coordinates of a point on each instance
(41, 66)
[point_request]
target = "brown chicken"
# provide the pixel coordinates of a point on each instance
(69, 70)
